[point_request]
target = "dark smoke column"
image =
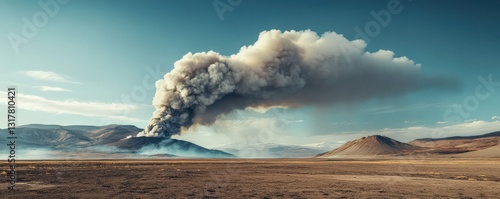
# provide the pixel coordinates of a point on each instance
(286, 69)
(196, 82)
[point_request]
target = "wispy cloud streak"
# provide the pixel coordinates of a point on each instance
(48, 76)
(114, 111)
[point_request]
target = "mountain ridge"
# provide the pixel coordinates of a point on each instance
(492, 134)
(60, 139)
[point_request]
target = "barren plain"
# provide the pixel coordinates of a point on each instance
(258, 178)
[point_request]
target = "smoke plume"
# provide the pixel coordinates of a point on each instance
(286, 69)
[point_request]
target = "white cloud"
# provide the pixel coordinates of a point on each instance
(470, 120)
(47, 76)
(115, 111)
(49, 88)
(342, 123)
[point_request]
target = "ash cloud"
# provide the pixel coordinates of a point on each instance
(286, 69)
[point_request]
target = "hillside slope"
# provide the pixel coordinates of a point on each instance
(370, 146)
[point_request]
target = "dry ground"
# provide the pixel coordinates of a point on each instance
(263, 178)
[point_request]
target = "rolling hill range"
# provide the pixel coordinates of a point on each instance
(104, 140)
(68, 137)
(165, 146)
(459, 144)
(376, 146)
(111, 141)
(270, 150)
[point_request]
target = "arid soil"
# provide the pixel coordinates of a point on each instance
(262, 178)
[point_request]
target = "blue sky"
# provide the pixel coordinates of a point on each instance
(95, 62)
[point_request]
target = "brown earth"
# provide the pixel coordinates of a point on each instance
(491, 152)
(259, 178)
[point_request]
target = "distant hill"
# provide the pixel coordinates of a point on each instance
(487, 135)
(459, 144)
(270, 150)
(55, 137)
(70, 127)
(159, 145)
(478, 146)
(369, 147)
(112, 133)
(107, 140)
